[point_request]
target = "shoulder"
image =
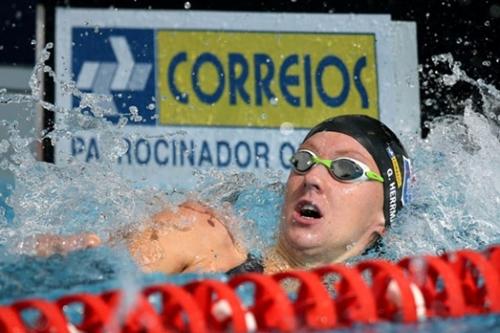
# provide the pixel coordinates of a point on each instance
(191, 223)
(214, 249)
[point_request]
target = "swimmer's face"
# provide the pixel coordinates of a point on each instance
(323, 219)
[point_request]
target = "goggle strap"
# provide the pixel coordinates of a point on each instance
(374, 176)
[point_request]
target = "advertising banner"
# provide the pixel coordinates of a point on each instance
(228, 91)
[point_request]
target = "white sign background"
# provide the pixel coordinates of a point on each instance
(396, 52)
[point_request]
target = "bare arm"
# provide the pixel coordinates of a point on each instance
(185, 240)
(188, 239)
(49, 244)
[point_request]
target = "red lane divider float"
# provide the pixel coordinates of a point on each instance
(353, 299)
(462, 283)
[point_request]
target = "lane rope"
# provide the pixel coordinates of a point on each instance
(454, 284)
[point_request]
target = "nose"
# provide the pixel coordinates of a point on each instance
(316, 178)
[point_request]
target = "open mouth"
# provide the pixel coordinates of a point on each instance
(309, 210)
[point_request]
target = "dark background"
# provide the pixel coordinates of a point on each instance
(468, 29)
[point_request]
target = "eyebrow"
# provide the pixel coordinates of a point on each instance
(353, 153)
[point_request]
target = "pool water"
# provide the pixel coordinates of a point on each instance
(455, 204)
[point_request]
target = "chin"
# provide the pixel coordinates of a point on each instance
(301, 240)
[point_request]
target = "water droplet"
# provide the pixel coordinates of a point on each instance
(286, 128)
(274, 100)
(134, 113)
(33, 42)
(187, 5)
(151, 106)
(4, 164)
(487, 23)
(122, 122)
(263, 116)
(409, 82)
(4, 146)
(459, 40)
(486, 63)
(449, 80)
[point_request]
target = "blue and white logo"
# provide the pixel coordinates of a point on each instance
(118, 63)
(406, 197)
(390, 152)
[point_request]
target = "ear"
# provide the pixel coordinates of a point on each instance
(378, 224)
(378, 228)
(373, 232)
(373, 238)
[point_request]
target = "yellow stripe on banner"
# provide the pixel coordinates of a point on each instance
(263, 79)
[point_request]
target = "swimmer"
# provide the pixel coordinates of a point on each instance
(348, 181)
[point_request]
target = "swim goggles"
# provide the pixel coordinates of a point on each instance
(344, 169)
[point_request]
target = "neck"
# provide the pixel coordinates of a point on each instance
(281, 258)
(275, 260)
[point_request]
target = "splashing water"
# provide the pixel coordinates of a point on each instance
(73, 197)
(100, 200)
(455, 195)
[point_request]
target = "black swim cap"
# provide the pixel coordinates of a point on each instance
(385, 148)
